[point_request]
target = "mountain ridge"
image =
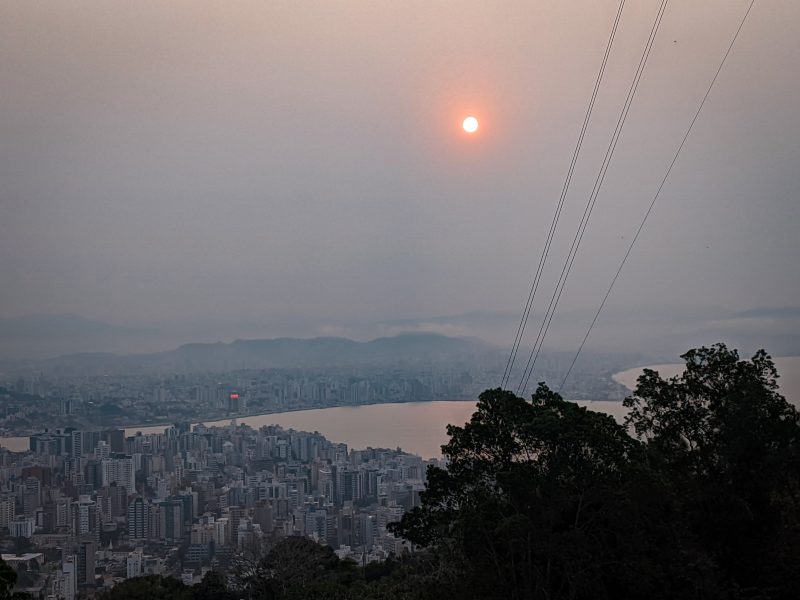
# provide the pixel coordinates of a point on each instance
(284, 352)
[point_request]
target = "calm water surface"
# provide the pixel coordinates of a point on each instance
(420, 427)
(417, 427)
(788, 370)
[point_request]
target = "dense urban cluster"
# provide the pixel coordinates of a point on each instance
(139, 400)
(90, 401)
(87, 509)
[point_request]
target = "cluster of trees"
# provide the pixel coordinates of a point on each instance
(545, 499)
(8, 580)
(297, 568)
(697, 496)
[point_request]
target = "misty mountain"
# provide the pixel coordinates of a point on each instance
(660, 332)
(319, 352)
(46, 335)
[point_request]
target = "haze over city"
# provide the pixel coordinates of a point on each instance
(260, 170)
(414, 300)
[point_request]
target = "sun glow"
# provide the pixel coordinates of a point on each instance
(470, 124)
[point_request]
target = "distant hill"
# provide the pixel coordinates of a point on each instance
(280, 353)
(43, 336)
(59, 342)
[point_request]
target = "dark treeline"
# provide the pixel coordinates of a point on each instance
(698, 496)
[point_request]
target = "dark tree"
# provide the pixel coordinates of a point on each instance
(298, 567)
(213, 586)
(150, 587)
(8, 578)
(729, 443)
(541, 500)
(545, 499)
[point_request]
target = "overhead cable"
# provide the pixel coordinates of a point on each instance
(658, 192)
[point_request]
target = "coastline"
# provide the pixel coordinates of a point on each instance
(410, 425)
(20, 440)
(788, 375)
(312, 418)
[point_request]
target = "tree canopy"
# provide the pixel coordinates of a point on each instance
(544, 499)
(149, 587)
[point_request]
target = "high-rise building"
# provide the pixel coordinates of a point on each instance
(76, 444)
(93, 474)
(69, 582)
(8, 510)
(86, 517)
(326, 482)
(115, 439)
(49, 444)
(262, 514)
(21, 527)
(119, 500)
(63, 511)
(190, 505)
(172, 520)
(222, 532)
(102, 451)
(31, 496)
(135, 563)
(154, 510)
(235, 403)
(349, 485)
(120, 469)
(249, 535)
(86, 562)
(139, 519)
(317, 524)
(67, 407)
(235, 515)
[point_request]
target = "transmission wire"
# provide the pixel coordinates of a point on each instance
(554, 224)
(658, 192)
(587, 213)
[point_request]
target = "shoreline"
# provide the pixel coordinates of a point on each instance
(788, 375)
(789, 384)
(215, 419)
(251, 415)
(20, 443)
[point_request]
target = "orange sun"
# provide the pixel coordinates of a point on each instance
(470, 124)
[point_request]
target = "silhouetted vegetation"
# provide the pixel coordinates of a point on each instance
(8, 579)
(698, 496)
(150, 587)
(545, 499)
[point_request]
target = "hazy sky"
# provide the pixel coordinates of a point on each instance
(171, 159)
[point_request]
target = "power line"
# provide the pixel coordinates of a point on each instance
(554, 224)
(658, 191)
(587, 213)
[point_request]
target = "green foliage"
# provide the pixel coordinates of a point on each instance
(8, 579)
(535, 501)
(150, 587)
(545, 499)
(296, 568)
(213, 586)
(730, 444)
